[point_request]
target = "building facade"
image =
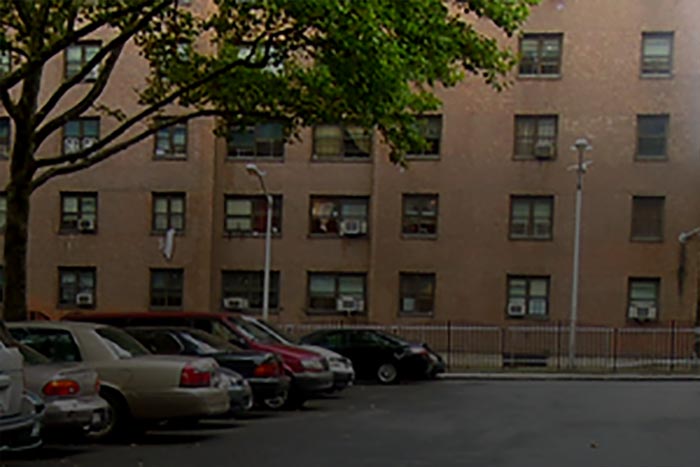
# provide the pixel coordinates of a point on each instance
(477, 228)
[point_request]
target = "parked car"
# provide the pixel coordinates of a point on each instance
(375, 354)
(341, 367)
(309, 372)
(263, 370)
(70, 392)
(20, 413)
(138, 386)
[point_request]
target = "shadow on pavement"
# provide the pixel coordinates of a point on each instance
(47, 452)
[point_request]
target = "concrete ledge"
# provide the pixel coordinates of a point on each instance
(568, 377)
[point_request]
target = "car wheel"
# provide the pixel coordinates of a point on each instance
(276, 403)
(118, 418)
(294, 401)
(387, 373)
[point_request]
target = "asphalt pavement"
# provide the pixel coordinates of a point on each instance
(438, 424)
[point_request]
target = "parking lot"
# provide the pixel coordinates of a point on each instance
(443, 423)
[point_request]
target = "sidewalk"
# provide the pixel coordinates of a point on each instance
(513, 376)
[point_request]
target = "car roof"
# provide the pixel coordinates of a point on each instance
(77, 316)
(61, 325)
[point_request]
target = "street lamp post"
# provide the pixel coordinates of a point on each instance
(255, 170)
(581, 146)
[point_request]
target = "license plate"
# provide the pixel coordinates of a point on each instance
(96, 418)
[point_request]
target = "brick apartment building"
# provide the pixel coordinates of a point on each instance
(477, 229)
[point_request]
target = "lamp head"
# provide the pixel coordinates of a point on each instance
(581, 144)
(254, 170)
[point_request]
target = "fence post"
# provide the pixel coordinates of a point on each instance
(558, 341)
(614, 349)
(449, 344)
(504, 335)
(673, 345)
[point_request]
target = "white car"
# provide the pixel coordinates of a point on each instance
(20, 412)
(341, 367)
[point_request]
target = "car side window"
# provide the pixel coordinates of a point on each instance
(366, 339)
(159, 342)
(334, 340)
(57, 345)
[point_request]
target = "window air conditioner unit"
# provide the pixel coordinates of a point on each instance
(516, 307)
(84, 299)
(71, 145)
(235, 303)
(93, 74)
(86, 225)
(350, 305)
(642, 311)
(88, 141)
(350, 227)
(544, 150)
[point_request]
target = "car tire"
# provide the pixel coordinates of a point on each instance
(294, 401)
(118, 418)
(276, 403)
(387, 373)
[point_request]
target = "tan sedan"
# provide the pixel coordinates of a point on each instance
(138, 386)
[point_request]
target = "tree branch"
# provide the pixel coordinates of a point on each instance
(97, 157)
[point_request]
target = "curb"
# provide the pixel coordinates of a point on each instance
(564, 377)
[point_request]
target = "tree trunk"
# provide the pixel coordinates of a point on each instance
(16, 241)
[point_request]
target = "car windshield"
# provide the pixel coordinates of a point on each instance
(392, 339)
(255, 332)
(31, 356)
(272, 331)
(203, 343)
(122, 343)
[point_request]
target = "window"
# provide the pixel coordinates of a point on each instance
(657, 53)
(3, 210)
(122, 344)
(648, 218)
(171, 142)
(264, 140)
(77, 287)
(540, 55)
(430, 127)
(339, 216)
(78, 55)
(337, 292)
(168, 212)
(341, 142)
(652, 136)
(4, 137)
(5, 62)
(247, 215)
(643, 298)
(80, 134)
(528, 296)
(417, 293)
(536, 136)
(79, 212)
(420, 215)
(57, 345)
(166, 288)
(249, 286)
(531, 217)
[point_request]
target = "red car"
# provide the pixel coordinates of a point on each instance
(309, 372)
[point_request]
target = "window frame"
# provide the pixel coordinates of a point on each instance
(530, 235)
(276, 155)
(337, 215)
(336, 276)
(518, 138)
(538, 65)
(84, 46)
(169, 197)
(346, 139)
(423, 122)
(416, 277)
(666, 118)
(169, 289)
(428, 197)
(171, 131)
(258, 215)
(656, 281)
(528, 296)
(251, 292)
(81, 196)
(78, 272)
(643, 71)
(81, 121)
(638, 238)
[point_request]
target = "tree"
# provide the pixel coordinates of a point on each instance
(374, 63)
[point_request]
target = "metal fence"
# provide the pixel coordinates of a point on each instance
(670, 348)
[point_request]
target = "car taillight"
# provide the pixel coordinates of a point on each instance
(97, 386)
(61, 388)
(267, 369)
(192, 377)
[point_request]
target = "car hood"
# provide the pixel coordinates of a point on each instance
(287, 351)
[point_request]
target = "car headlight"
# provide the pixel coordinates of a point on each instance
(312, 364)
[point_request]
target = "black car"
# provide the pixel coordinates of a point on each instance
(375, 354)
(263, 371)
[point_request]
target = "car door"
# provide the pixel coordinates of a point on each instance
(366, 352)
